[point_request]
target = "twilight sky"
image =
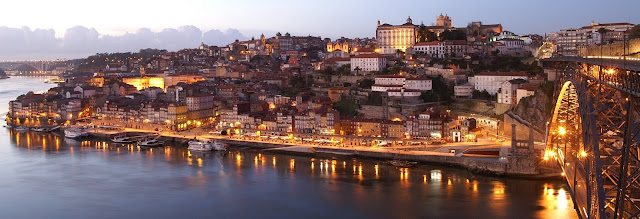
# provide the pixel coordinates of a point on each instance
(50, 29)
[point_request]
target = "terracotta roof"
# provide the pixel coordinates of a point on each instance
(384, 85)
(529, 87)
(518, 73)
(369, 56)
(390, 76)
(418, 79)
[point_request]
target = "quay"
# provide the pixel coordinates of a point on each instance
(503, 165)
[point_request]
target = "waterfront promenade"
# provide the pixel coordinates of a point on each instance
(452, 154)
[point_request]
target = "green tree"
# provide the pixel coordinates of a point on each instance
(374, 98)
(346, 107)
(366, 83)
(635, 32)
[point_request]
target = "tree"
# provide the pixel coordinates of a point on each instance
(366, 83)
(357, 69)
(346, 107)
(374, 98)
(453, 35)
(603, 32)
(635, 32)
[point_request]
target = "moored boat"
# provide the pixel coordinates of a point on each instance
(402, 163)
(74, 133)
(22, 129)
(40, 129)
(197, 145)
(123, 140)
(151, 143)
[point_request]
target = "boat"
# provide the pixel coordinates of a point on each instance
(54, 80)
(22, 129)
(40, 129)
(151, 143)
(402, 163)
(123, 140)
(197, 145)
(74, 133)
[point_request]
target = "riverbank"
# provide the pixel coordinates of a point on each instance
(517, 166)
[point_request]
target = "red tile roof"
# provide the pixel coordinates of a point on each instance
(518, 73)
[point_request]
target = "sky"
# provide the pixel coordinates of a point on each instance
(65, 29)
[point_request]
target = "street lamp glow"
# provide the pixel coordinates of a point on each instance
(562, 130)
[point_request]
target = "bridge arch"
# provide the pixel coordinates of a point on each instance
(597, 110)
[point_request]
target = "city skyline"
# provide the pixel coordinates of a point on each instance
(129, 26)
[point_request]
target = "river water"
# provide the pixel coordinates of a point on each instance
(48, 176)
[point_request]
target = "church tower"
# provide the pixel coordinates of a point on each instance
(409, 21)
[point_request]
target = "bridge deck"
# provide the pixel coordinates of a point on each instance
(632, 64)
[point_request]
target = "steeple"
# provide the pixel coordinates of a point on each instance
(409, 21)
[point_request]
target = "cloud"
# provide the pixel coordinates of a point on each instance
(79, 41)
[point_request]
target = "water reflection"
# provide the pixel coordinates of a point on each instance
(367, 187)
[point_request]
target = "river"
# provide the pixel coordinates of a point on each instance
(48, 176)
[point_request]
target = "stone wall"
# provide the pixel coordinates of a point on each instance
(515, 165)
(614, 49)
(522, 128)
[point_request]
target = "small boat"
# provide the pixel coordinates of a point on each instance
(151, 143)
(196, 145)
(54, 80)
(123, 140)
(7, 126)
(22, 129)
(40, 129)
(74, 133)
(402, 163)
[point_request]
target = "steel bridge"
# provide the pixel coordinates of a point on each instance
(594, 134)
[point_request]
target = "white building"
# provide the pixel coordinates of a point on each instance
(397, 83)
(420, 84)
(463, 91)
(525, 91)
(492, 81)
(396, 37)
(368, 62)
(507, 92)
(448, 48)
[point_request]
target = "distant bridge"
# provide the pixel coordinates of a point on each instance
(594, 134)
(30, 67)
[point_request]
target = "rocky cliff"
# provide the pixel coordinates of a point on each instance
(537, 109)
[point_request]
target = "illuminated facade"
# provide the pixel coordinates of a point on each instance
(396, 37)
(145, 82)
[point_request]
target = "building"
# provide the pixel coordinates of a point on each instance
(368, 63)
(200, 109)
(507, 91)
(492, 81)
(426, 125)
(397, 83)
(392, 38)
(569, 41)
(144, 82)
(437, 49)
(463, 91)
(525, 91)
(336, 93)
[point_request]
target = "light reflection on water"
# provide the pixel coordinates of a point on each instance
(45, 176)
(358, 187)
